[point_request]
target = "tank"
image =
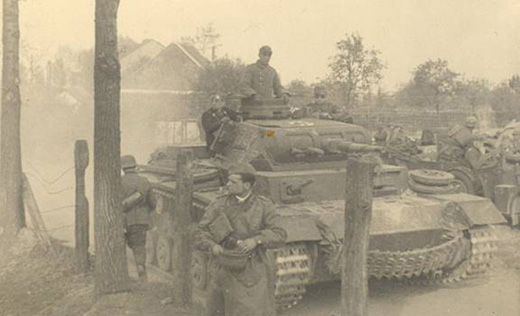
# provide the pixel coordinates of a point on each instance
(301, 167)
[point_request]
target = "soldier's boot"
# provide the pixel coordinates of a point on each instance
(141, 272)
(140, 260)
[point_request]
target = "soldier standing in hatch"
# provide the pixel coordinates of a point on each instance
(215, 116)
(260, 80)
(254, 226)
(138, 203)
(323, 109)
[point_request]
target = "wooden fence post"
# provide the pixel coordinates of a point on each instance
(181, 262)
(358, 213)
(81, 159)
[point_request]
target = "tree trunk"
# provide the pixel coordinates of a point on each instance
(82, 220)
(111, 269)
(358, 213)
(12, 218)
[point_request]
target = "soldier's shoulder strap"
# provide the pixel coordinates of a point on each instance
(264, 199)
(454, 130)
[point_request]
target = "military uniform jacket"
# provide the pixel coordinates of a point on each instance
(248, 291)
(254, 218)
(140, 213)
(461, 136)
(212, 119)
(261, 80)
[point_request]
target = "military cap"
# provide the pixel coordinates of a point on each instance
(471, 122)
(128, 161)
(241, 169)
(265, 50)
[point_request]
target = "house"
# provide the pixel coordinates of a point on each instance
(157, 90)
(154, 67)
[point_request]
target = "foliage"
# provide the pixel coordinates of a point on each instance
(474, 92)
(505, 97)
(299, 88)
(221, 76)
(514, 83)
(432, 83)
(205, 40)
(354, 69)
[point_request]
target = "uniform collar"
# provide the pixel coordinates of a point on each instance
(261, 65)
(243, 199)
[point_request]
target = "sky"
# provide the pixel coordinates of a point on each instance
(478, 38)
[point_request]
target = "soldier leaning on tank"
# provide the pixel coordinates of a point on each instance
(459, 141)
(215, 116)
(260, 80)
(138, 203)
(252, 226)
(321, 108)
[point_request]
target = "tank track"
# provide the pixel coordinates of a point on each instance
(293, 272)
(483, 249)
(464, 256)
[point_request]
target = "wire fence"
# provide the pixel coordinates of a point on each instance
(51, 188)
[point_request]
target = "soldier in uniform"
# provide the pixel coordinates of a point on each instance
(217, 115)
(260, 80)
(459, 141)
(138, 203)
(323, 109)
(254, 225)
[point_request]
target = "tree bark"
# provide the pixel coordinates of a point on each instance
(111, 269)
(182, 289)
(358, 213)
(12, 218)
(81, 212)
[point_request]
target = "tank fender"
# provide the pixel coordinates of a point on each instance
(300, 228)
(477, 210)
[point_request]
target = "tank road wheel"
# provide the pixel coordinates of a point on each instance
(431, 189)
(199, 270)
(431, 177)
(164, 253)
(514, 211)
(463, 183)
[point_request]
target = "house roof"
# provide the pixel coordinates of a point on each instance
(175, 67)
(147, 51)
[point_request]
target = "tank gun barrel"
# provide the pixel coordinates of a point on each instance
(342, 146)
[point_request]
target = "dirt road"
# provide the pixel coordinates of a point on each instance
(497, 295)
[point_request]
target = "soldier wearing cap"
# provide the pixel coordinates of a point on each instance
(215, 116)
(260, 80)
(138, 203)
(254, 225)
(321, 108)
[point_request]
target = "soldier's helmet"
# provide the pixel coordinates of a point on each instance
(128, 161)
(471, 122)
